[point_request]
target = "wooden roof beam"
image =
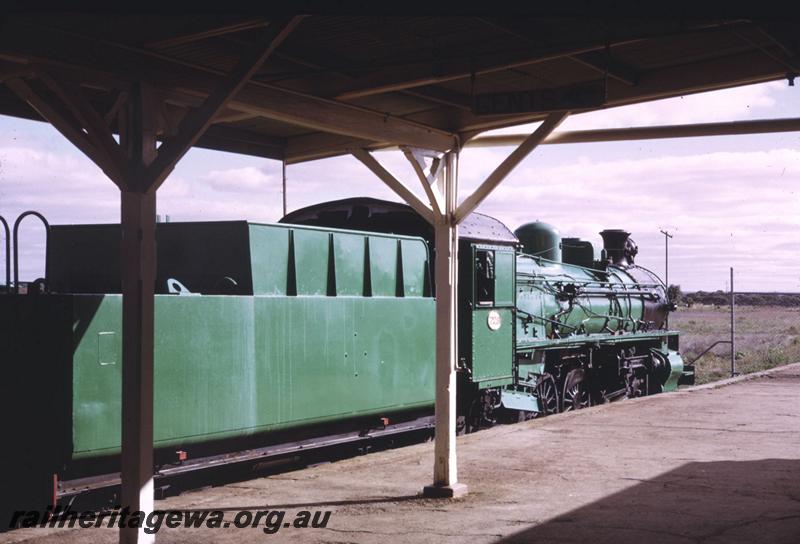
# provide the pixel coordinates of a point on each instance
(400, 79)
(706, 75)
(233, 140)
(321, 144)
(438, 95)
(197, 121)
(185, 83)
(603, 63)
(729, 128)
(600, 61)
(662, 83)
(232, 117)
(233, 28)
(397, 78)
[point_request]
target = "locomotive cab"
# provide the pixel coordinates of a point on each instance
(486, 325)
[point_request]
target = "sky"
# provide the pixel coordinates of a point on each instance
(730, 201)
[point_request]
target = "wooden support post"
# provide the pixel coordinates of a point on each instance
(445, 471)
(138, 306)
(138, 167)
(443, 199)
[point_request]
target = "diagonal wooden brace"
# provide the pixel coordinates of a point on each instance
(66, 123)
(417, 159)
(499, 174)
(194, 125)
(394, 184)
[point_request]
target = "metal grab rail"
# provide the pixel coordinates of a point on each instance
(8, 253)
(16, 244)
(709, 348)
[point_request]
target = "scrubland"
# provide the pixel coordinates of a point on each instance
(766, 337)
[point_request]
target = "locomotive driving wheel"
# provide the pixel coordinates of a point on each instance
(481, 413)
(547, 392)
(461, 425)
(637, 387)
(576, 393)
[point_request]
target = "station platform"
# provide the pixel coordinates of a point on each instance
(716, 463)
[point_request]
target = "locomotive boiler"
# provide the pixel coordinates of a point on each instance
(590, 330)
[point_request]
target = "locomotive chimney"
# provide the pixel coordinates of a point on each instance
(616, 246)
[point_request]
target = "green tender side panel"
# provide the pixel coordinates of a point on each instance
(345, 355)
(269, 257)
(349, 251)
(383, 266)
(311, 261)
(492, 350)
(96, 372)
(307, 261)
(228, 366)
(415, 270)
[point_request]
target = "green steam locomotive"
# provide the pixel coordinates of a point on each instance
(316, 331)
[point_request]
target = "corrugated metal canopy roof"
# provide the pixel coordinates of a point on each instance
(339, 82)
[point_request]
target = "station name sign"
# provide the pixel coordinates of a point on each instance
(575, 97)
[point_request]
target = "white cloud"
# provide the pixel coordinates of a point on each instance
(240, 180)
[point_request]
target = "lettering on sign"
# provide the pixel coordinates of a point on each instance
(576, 97)
(494, 320)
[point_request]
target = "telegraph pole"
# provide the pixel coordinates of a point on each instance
(733, 329)
(667, 236)
(283, 175)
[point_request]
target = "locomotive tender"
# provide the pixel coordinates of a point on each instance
(315, 331)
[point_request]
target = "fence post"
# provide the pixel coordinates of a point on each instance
(733, 329)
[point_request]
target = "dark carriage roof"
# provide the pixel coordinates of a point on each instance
(359, 80)
(372, 214)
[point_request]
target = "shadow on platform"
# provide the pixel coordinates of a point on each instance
(723, 501)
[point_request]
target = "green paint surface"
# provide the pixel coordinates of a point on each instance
(234, 366)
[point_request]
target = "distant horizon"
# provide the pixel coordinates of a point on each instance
(724, 198)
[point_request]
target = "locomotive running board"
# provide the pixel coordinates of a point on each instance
(71, 488)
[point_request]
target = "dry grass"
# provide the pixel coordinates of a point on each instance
(766, 337)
